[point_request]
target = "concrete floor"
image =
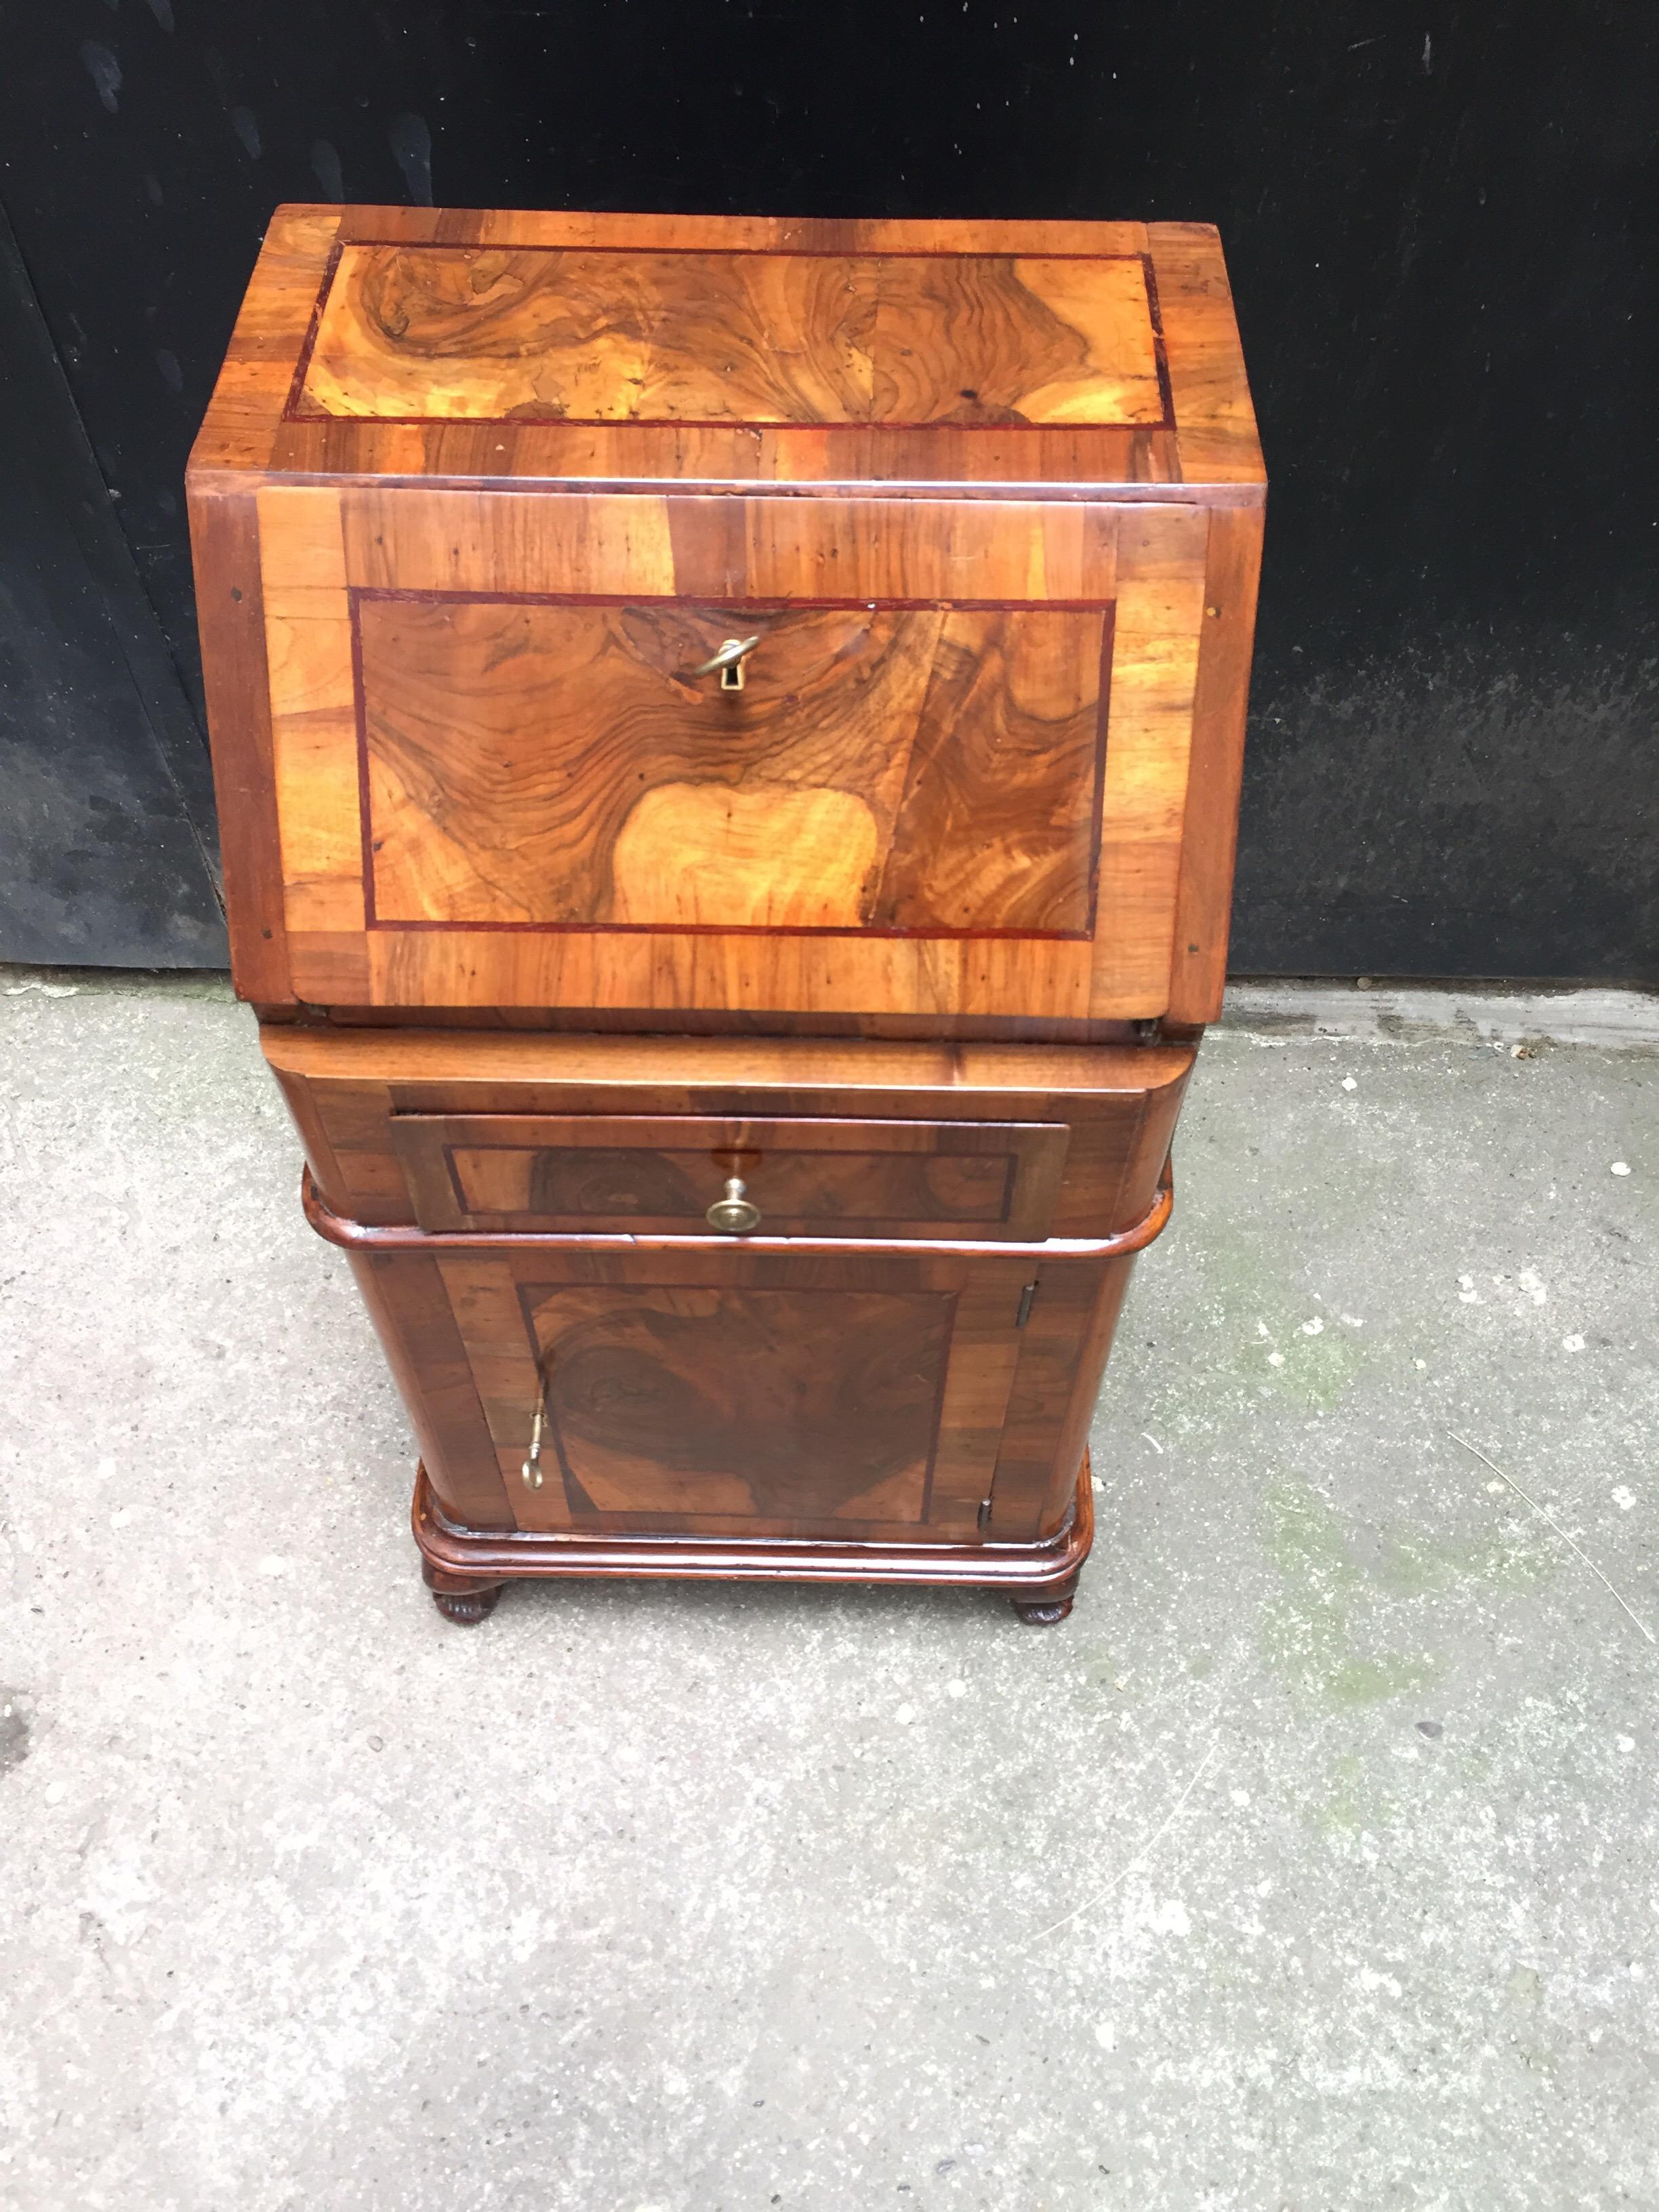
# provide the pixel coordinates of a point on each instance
(1340, 1784)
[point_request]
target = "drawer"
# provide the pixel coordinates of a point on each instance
(648, 1175)
(585, 1134)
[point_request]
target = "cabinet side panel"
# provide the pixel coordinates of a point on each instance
(1204, 903)
(407, 1301)
(230, 610)
(1065, 1339)
(1215, 423)
(1151, 1149)
(1087, 1374)
(369, 1183)
(320, 1155)
(1117, 1148)
(1160, 596)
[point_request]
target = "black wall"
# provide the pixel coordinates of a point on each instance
(107, 856)
(1440, 225)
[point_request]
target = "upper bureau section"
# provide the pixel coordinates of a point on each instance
(970, 511)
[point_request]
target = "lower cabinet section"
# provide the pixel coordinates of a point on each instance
(875, 1358)
(893, 1397)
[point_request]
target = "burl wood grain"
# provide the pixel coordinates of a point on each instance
(927, 769)
(742, 1392)
(972, 536)
(980, 804)
(432, 333)
(788, 1404)
(860, 1191)
(262, 420)
(658, 1175)
(875, 1397)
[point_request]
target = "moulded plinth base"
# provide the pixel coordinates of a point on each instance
(466, 1568)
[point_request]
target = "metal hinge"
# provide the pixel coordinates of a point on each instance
(984, 1514)
(1026, 1297)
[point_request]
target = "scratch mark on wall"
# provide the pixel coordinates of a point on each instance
(411, 143)
(325, 167)
(104, 70)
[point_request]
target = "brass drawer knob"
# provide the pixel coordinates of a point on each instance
(729, 660)
(733, 1215)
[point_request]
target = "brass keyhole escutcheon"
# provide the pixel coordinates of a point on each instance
(733, 1215)
(729, 660)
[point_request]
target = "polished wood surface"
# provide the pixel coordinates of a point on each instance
(404, 1294)
(394, 1237)
(925, 770)
(1065, 1345)
(699, 1021)
(689, 1403)
(908, 923)
(988, 495)
(486, 799)
(652, 1174)
(351, 1091)
(473, 1563)
(230, 622)
(1033, 1325)
(1028, 364)
(880, 1396)
(741, 1392)
(1215, 767)
(431, 333)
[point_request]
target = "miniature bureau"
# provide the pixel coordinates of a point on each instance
(727, 735)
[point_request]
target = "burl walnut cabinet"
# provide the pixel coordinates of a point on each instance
(727, 734)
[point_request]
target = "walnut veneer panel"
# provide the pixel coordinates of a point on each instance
(658, 1175)
(924, 771)
(430, 332)
(467, 343)
(744, 1394)
(497, 782)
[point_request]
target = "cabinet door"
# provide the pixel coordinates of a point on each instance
(743, 1394)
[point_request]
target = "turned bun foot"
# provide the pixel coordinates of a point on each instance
(1047, 1608)
(461, 1598)
(467, 1607)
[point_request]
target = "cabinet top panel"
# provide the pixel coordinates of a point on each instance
(1054, 359)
